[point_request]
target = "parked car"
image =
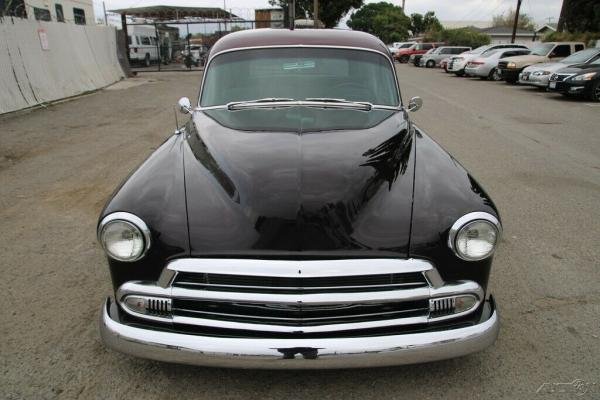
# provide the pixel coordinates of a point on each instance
(399, 45)
(299, 219)
(434, 58)
(416, 58)
(539, 74)
(457, 64)
(143, 45)
(444, 64)
(511, 67)
(402, 55)
(485, 66)
(581, 79)
(196, 52)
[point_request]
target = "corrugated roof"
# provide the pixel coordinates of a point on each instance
(171, 13)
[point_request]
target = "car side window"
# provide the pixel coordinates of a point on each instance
(446, 51)
(427, 46)
(562, 50)
(145, 40)
(578, 47)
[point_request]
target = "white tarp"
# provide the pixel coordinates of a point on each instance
(46, 61)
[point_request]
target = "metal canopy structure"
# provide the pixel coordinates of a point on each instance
(173, 13)
(170, 14)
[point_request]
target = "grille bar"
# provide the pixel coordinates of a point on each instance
(235, 283)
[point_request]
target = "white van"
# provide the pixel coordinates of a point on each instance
(143, 45)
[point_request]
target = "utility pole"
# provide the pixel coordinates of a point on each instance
(315, 13)
(561, 20)
(292, 14)
(403, 3)
(514, 32)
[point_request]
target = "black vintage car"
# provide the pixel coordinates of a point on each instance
(299, 219)
(578, 80)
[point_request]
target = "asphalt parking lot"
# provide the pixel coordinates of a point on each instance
(538, 156)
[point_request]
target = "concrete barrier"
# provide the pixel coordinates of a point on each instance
(47, 61)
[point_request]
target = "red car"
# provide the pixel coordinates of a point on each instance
(402, 55)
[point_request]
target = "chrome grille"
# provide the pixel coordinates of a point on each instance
(300, 297)
(560, 77)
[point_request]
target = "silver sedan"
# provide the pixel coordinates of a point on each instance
(485, 66)
(539, 74)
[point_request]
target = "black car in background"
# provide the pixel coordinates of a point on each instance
(582, 80)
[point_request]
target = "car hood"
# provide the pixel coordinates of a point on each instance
(552, 67)
(525, 59)
(344, 192)
(580, 69)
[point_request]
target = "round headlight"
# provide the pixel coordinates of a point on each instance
(474, 236)
(124, 236)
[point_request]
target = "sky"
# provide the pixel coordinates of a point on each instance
(472, 10)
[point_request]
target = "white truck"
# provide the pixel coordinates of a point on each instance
(143, 45)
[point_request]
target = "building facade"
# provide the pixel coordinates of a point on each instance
(269, 17)
(79, 12)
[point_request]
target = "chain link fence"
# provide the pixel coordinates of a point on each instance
(180, 46)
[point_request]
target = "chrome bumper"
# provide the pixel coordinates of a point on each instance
(353, 352)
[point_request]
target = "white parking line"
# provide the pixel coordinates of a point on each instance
(592, 104)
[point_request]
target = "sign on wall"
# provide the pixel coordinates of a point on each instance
(43, 39)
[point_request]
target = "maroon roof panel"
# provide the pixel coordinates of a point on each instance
(308, 37)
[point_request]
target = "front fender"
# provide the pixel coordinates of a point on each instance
(444, 191)
(155, 192)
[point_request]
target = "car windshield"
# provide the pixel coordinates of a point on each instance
(542, 49)
(490, 53)
(300, 74)
(479, 50)
(581, 56)
(434, 51)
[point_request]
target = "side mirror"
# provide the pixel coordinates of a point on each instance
(415, 104)
(185, 106)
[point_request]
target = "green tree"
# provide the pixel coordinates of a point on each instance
(384, 20)
(424, 23)
(580, 16)
(508, 20)
(458, 37)
(330, 11)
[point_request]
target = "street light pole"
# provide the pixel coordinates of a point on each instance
(315, 13)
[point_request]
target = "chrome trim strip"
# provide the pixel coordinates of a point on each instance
(208, 286)
(386, 55)
(272, 327)
(467, 218)
(310, 299)
(299, 269)
(352, 352)
(132, 219)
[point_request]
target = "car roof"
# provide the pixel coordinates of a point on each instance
(562, 43)
(299, 37)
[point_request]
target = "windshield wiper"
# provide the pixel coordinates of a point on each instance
(329, 102)
(258, 103)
